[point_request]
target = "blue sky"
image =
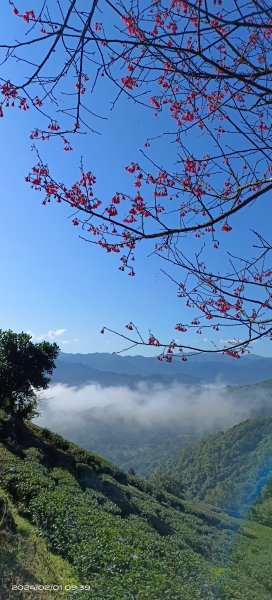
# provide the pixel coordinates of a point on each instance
(58, 286)
(53, 280)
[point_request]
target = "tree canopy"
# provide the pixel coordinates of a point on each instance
(203, 70)
(25, 368)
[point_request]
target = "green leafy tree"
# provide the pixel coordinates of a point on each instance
(25, 369)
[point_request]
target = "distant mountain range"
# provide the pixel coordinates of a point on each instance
(79, 374)
(111, 369)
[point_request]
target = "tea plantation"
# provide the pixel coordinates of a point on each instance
(70, 518)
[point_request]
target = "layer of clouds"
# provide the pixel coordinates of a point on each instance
(205, 408)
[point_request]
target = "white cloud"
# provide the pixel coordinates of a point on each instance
(56, 333)
(50, 335)
(67, 342)
(203, 408)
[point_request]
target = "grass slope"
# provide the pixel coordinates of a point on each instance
(121, 536)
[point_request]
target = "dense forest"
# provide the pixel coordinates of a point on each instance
(230, 469)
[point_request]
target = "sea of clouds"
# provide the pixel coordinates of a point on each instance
(204, 408)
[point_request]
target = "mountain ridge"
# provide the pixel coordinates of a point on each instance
(199, 368)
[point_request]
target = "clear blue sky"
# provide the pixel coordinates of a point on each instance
(51, 281)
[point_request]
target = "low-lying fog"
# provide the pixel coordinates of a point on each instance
(204, 408)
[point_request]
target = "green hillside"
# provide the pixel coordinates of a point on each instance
(231, 468)
(92, 524)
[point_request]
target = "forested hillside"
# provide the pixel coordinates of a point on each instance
(229, 468)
